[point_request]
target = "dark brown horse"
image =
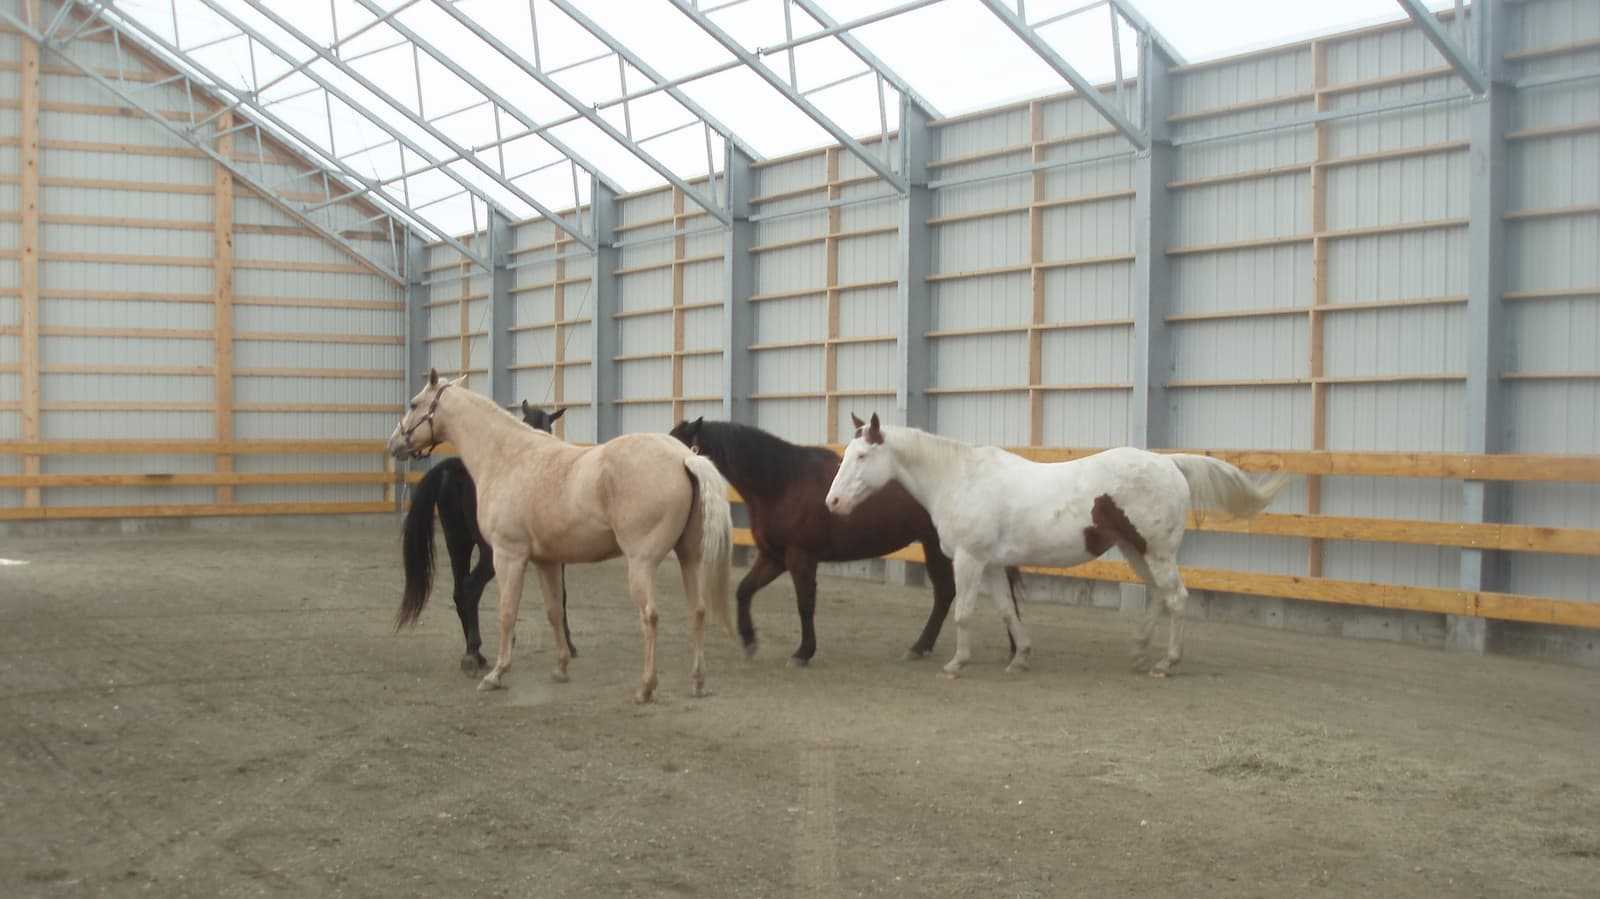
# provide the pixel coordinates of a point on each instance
(783, 486)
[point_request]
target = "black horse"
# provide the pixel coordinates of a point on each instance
(449, 487)
(783, 486)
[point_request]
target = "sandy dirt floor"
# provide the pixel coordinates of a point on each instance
(231, 714)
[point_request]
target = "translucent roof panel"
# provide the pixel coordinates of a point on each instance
(449, 108)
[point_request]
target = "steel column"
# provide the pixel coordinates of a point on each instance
(1152, 276)
(1484, 501)
(417, 355)
(738, 315)
(913, 298)
(501, 312)
(603, 387)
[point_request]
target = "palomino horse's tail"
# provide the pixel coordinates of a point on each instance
(1215, 484)
(416, 546)
(716, 538)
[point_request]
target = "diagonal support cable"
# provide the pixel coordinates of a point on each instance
(710, 205)
(873, 162)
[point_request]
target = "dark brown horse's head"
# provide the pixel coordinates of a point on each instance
(540, 420)
(688, 433)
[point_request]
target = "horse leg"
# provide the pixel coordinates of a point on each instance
(969, 578)
(803, 571)
(1174, 596)
(1153, 607)
(762, 572)
(642, 584)
(566, 623)
(512, 568)
(943, 578)
(1000, 594)
(693, 591)
(555, 610)
(467, 592)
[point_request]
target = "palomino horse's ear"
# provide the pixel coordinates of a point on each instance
(433, 377)
(857, 422)
(558, 413)
(874, 432)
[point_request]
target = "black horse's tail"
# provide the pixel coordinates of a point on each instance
(417, 546)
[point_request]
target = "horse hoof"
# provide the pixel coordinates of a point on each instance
(640, 697)
(799, 662)
(490, 682)
(472, 666)
(572, 650)
(915, 655)
(953, 668)
(697, 690)
(559, 677)
(1017, 666)
(1158, 672)
(750, 648)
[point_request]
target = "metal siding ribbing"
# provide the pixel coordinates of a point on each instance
(1553, 282)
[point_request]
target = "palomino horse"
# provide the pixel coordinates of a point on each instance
(783, 486)
(448, 488)
(639, 496)
(996, 508)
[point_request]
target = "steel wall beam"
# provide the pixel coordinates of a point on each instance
(1454, 53)
(777, 83)
(1488, 118)
(738, 314)
(501, 310)
(417, 295)
(603, 348)
(594, 118)
(415, 118)
(1152, 275)
(913, 298)
(815, 11)
(656, 78)
(1088, 91)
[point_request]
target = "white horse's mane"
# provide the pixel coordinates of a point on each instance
(921, 449)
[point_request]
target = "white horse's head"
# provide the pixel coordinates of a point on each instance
(419, 431)
(867, 466)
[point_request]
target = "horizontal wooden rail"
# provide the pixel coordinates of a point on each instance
(197, 479)
(1501, 606)
(68, 513)
(191, 447)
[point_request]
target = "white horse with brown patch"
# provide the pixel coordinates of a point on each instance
(993, 508)
(545, 501)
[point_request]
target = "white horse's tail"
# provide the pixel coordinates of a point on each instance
(716, 538)
(1215, 484)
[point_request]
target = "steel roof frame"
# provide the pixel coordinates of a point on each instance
(1473, 73)
(415, 118)
(578, 106)
(248, 102)
(1138, 134)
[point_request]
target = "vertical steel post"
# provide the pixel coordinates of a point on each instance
(501, 313)
(914, 300)
(1152, 276)
(738, 315)
(603, 387)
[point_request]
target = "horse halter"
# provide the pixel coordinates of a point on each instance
(427, 417)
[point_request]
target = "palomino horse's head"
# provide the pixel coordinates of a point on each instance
(867, 466)
(540, 420)
(419, 431)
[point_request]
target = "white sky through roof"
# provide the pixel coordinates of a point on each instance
(956, 54)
